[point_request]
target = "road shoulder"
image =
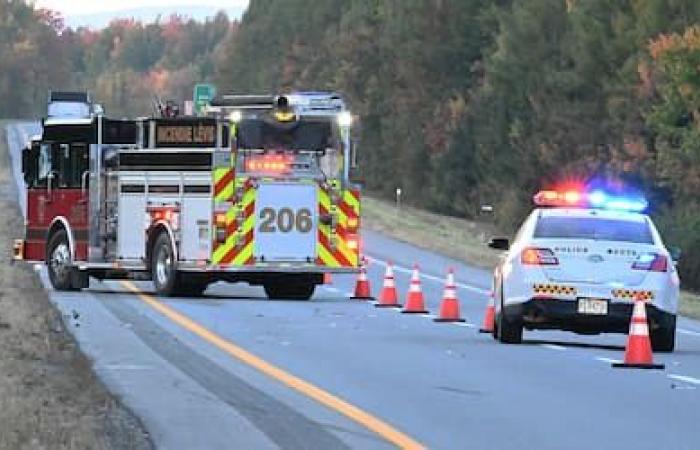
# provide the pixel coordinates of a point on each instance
(49, 395)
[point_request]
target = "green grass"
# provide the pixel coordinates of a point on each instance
(457, 238)
(690, 304)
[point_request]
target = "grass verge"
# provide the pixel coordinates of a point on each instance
(49, 395)
(457, 238)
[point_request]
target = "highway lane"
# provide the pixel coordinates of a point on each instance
(444, 385)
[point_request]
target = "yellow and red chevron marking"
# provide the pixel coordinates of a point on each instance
(554, 289)
(332, 248)
(223, 184)
(631, 294)
(237, 250)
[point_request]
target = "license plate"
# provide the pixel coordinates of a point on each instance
(593, 306)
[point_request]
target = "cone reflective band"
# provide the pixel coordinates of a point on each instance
(638, 352)
(489, 316)
(388, 297)
(415, 302)
(362, 286)
(449, 308)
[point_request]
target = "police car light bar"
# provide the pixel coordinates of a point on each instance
(594, 199)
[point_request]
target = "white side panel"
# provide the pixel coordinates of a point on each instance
(132, 235)
(196, 228)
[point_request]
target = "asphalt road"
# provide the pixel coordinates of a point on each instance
(235, 370)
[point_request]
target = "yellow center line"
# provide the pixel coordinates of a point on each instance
(337, 404)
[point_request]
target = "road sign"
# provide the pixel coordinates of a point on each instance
(203, 95)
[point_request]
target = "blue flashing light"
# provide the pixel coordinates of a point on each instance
(626, 204)
(594, 199)
(597, 199)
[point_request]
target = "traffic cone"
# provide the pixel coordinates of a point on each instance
(638, 352)
(489, 316)
(362, 286)
(449, 309)
(388, 297)
(415, 302)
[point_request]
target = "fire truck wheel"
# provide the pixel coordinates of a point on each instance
(58, 261)
(289, 291)
(163, 266)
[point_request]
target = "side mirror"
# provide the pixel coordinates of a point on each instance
(675, 253)
(499, 244)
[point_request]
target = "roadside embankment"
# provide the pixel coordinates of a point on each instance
(49, 395)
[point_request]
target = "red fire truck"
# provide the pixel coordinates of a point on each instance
(258, 192)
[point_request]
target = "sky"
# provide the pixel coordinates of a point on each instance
(87, 7)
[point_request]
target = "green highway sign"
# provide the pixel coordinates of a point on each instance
(203, 95)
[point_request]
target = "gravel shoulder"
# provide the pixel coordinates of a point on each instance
(49, 395)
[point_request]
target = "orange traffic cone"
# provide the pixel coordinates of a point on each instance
(638, 351)
(362, 286)
(489, 316)
(388, 297)
(449, 309)
(415, 302)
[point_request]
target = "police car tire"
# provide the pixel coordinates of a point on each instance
(509, 332)
(663, 339)
(60, 283)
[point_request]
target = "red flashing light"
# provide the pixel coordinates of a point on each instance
(532, 256)
(651, 262)
(269, 163)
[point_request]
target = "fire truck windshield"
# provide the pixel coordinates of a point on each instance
(298, 135)
(295, 149)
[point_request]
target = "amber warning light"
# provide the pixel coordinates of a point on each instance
(273, 164)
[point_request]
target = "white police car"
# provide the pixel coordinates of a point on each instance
(577, 264)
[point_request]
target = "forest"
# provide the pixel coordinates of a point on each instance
(460, 102)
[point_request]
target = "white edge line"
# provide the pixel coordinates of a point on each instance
(554, 347)
(430, 277)
(688, 332)
(607, 360)
(684, 378)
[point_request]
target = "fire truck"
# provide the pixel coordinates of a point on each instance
(257, 191)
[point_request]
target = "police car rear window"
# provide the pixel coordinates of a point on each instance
(593, 228)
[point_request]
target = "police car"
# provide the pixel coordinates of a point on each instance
(578, 262)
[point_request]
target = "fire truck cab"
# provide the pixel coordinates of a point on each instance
(257, 192)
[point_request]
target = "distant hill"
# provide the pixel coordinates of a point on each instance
(151, 14)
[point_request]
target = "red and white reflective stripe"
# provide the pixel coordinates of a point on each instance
(389, 281)
(363, 274)
(639, 329)
(415, 281)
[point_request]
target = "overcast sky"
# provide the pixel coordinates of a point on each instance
(85, 7)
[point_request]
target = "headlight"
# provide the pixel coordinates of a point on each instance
(235, 116)
(345, 119)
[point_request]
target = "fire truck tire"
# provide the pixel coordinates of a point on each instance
(289, 291)
(58, 261)
(163, 266)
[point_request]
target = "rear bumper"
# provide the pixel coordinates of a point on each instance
(563, 315)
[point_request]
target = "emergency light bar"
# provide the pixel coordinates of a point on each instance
(595, 199)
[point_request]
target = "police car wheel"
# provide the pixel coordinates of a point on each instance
(58, 261)
(509, 332)
(163, 266)
(663, 339)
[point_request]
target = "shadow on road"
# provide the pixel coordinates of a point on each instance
(573, 344)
